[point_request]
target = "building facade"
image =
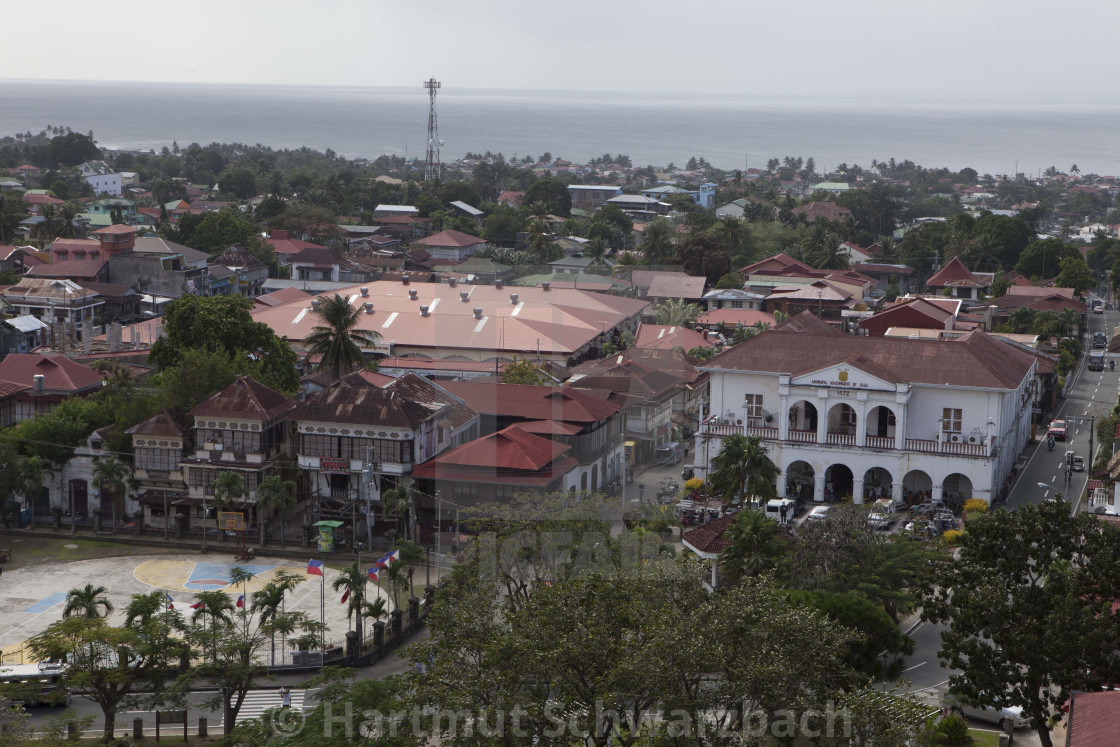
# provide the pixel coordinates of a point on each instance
(869, 417)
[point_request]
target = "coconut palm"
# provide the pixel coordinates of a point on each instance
(411, 555)
(540, 240)
(626, 262)
(274, 496)
(144, 607)
(229, 487)
(47, 229)
(67, 214)
(674, 312)
(89, 601)
(657, 244)
(12, 212)
(268, 600)
(376, 609)
(398, 502)
(753, 545)
(338, 340)
(111, 477)
(742, 468)
(353, 580)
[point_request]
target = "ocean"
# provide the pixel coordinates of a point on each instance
(730, 132)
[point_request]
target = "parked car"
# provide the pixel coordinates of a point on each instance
(1100, 340)
(1001, 716)
(1057, 429)
(819, 513)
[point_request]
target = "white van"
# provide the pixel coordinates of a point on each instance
(820, 513)
(774, 510)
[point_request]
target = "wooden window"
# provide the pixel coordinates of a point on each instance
(950, 420)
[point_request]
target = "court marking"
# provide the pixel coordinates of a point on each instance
(45, 604)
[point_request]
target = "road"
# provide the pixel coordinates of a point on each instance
(1093, 393)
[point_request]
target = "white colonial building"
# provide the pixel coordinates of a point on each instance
(870, 417)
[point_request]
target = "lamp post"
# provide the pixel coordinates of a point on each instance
(439, 556)
(358, 547)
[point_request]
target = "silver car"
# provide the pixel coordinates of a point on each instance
(1001, 716)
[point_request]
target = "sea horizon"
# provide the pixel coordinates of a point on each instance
(991, 134)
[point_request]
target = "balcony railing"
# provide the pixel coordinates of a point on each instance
(925, 446)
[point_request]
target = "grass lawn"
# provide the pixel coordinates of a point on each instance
(984, 738)
(35, 550)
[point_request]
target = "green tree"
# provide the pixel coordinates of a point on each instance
(108, 664)
(753, 545)
(399, 502)
(111, 476)
(657, 243)
(1042, 259)
(353, 580)
(674, 312)
(1029, 605)
(13, 211)
(742, 468)
(240, 182)
(730, 281)
(223, 323)
(1074, 273)
(879, 649)
(552, 193)
(338, 339)
(89, 601)
(521, 371)
(275, 495)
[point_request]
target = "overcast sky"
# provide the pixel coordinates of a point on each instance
(1020, 49)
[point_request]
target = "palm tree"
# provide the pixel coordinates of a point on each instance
(274, 495)
(267, 602)
(111, 476)
(596, 251)
(229, 487)
(540, 240)
(353, 579)
(411, 555)
(49, 214)
(144, 607)
(338, 340)
(67, 215)
(753, 546)
(742, 468)
(12, 212)
(399, 502)
(376, 609)
(87, 602)
(625, 262)
(30, 481)
(677, 313)
(657, 244)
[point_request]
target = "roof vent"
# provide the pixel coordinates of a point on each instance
(315, 304)
(38, 383)
(369, 308)
(423, 311)
(545, 284)
(412, 294)
(464, 296)
(404, 279)
(498, 283)
(365, 292)
(477, 312)
(452, 282)
(513, 298)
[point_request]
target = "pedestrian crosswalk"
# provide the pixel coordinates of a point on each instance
(258, 701)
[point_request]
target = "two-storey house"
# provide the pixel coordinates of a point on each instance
(241, 429)
(360, 436)
(157, 455)
(870, 417)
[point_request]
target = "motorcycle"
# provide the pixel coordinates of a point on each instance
(1112, 365)
(1050, 443)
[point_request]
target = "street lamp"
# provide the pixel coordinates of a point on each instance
(358, 547)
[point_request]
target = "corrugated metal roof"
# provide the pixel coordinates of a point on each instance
(27, 323)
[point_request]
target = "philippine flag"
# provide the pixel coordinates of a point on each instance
(345, 597)
(241, 601)
(170, 601)
(389, 559)
(314, 568)
(198, 605)
(373, 574)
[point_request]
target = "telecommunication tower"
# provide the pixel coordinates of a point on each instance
(432, 164)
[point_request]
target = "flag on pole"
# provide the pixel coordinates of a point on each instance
(198, 605)
(345, 597)
(373, 574)
(389, 559)
(314, 568)
(170, 601)
(241, 602)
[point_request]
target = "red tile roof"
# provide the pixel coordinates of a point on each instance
(827, 210)
(666, 337)
(450, 238)
(531, 402)
(88, 267)
(284, 295)
(975, 359)
(160, 424)
(8, 388)
(954, 273)
(1094, 719)
(60, 374)
(39, 199)
(246, 398)
(510, 456)
(281, 244)
(116, 229)
(709, 538)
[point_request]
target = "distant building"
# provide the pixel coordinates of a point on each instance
(101, 177)
(592, 196)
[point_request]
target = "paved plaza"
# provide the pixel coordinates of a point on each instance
(33, 597)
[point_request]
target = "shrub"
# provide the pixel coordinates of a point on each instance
(975, 505)
(952, 538)
(953, 729)
(693, 485)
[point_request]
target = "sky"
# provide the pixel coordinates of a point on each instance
(1030, 50)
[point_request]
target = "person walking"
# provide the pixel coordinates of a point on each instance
(285, 697)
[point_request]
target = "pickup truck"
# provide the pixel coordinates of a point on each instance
(1057, 429)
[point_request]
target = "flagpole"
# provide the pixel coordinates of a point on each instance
(323, 613)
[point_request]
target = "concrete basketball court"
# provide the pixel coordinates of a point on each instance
(33, 597)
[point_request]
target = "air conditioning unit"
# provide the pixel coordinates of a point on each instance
(738, 422)
(956, 438)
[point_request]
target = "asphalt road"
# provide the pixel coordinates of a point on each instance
(1093, 393)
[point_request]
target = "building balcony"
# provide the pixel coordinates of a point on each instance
(794, 436)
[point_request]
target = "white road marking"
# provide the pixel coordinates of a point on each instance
(914, 667)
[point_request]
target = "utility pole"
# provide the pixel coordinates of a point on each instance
(439, 556)
(431, 161)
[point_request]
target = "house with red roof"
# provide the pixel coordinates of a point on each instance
(587, 422)
(287, 247)
(496, 467)
(241, 429)
(451, 244)
(960, 281)
(830, 211)
(1094, 719)
(46, 380)
(669, 336)
(912, 313)
(157, 455)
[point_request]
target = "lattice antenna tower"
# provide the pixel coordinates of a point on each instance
(432, 163)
